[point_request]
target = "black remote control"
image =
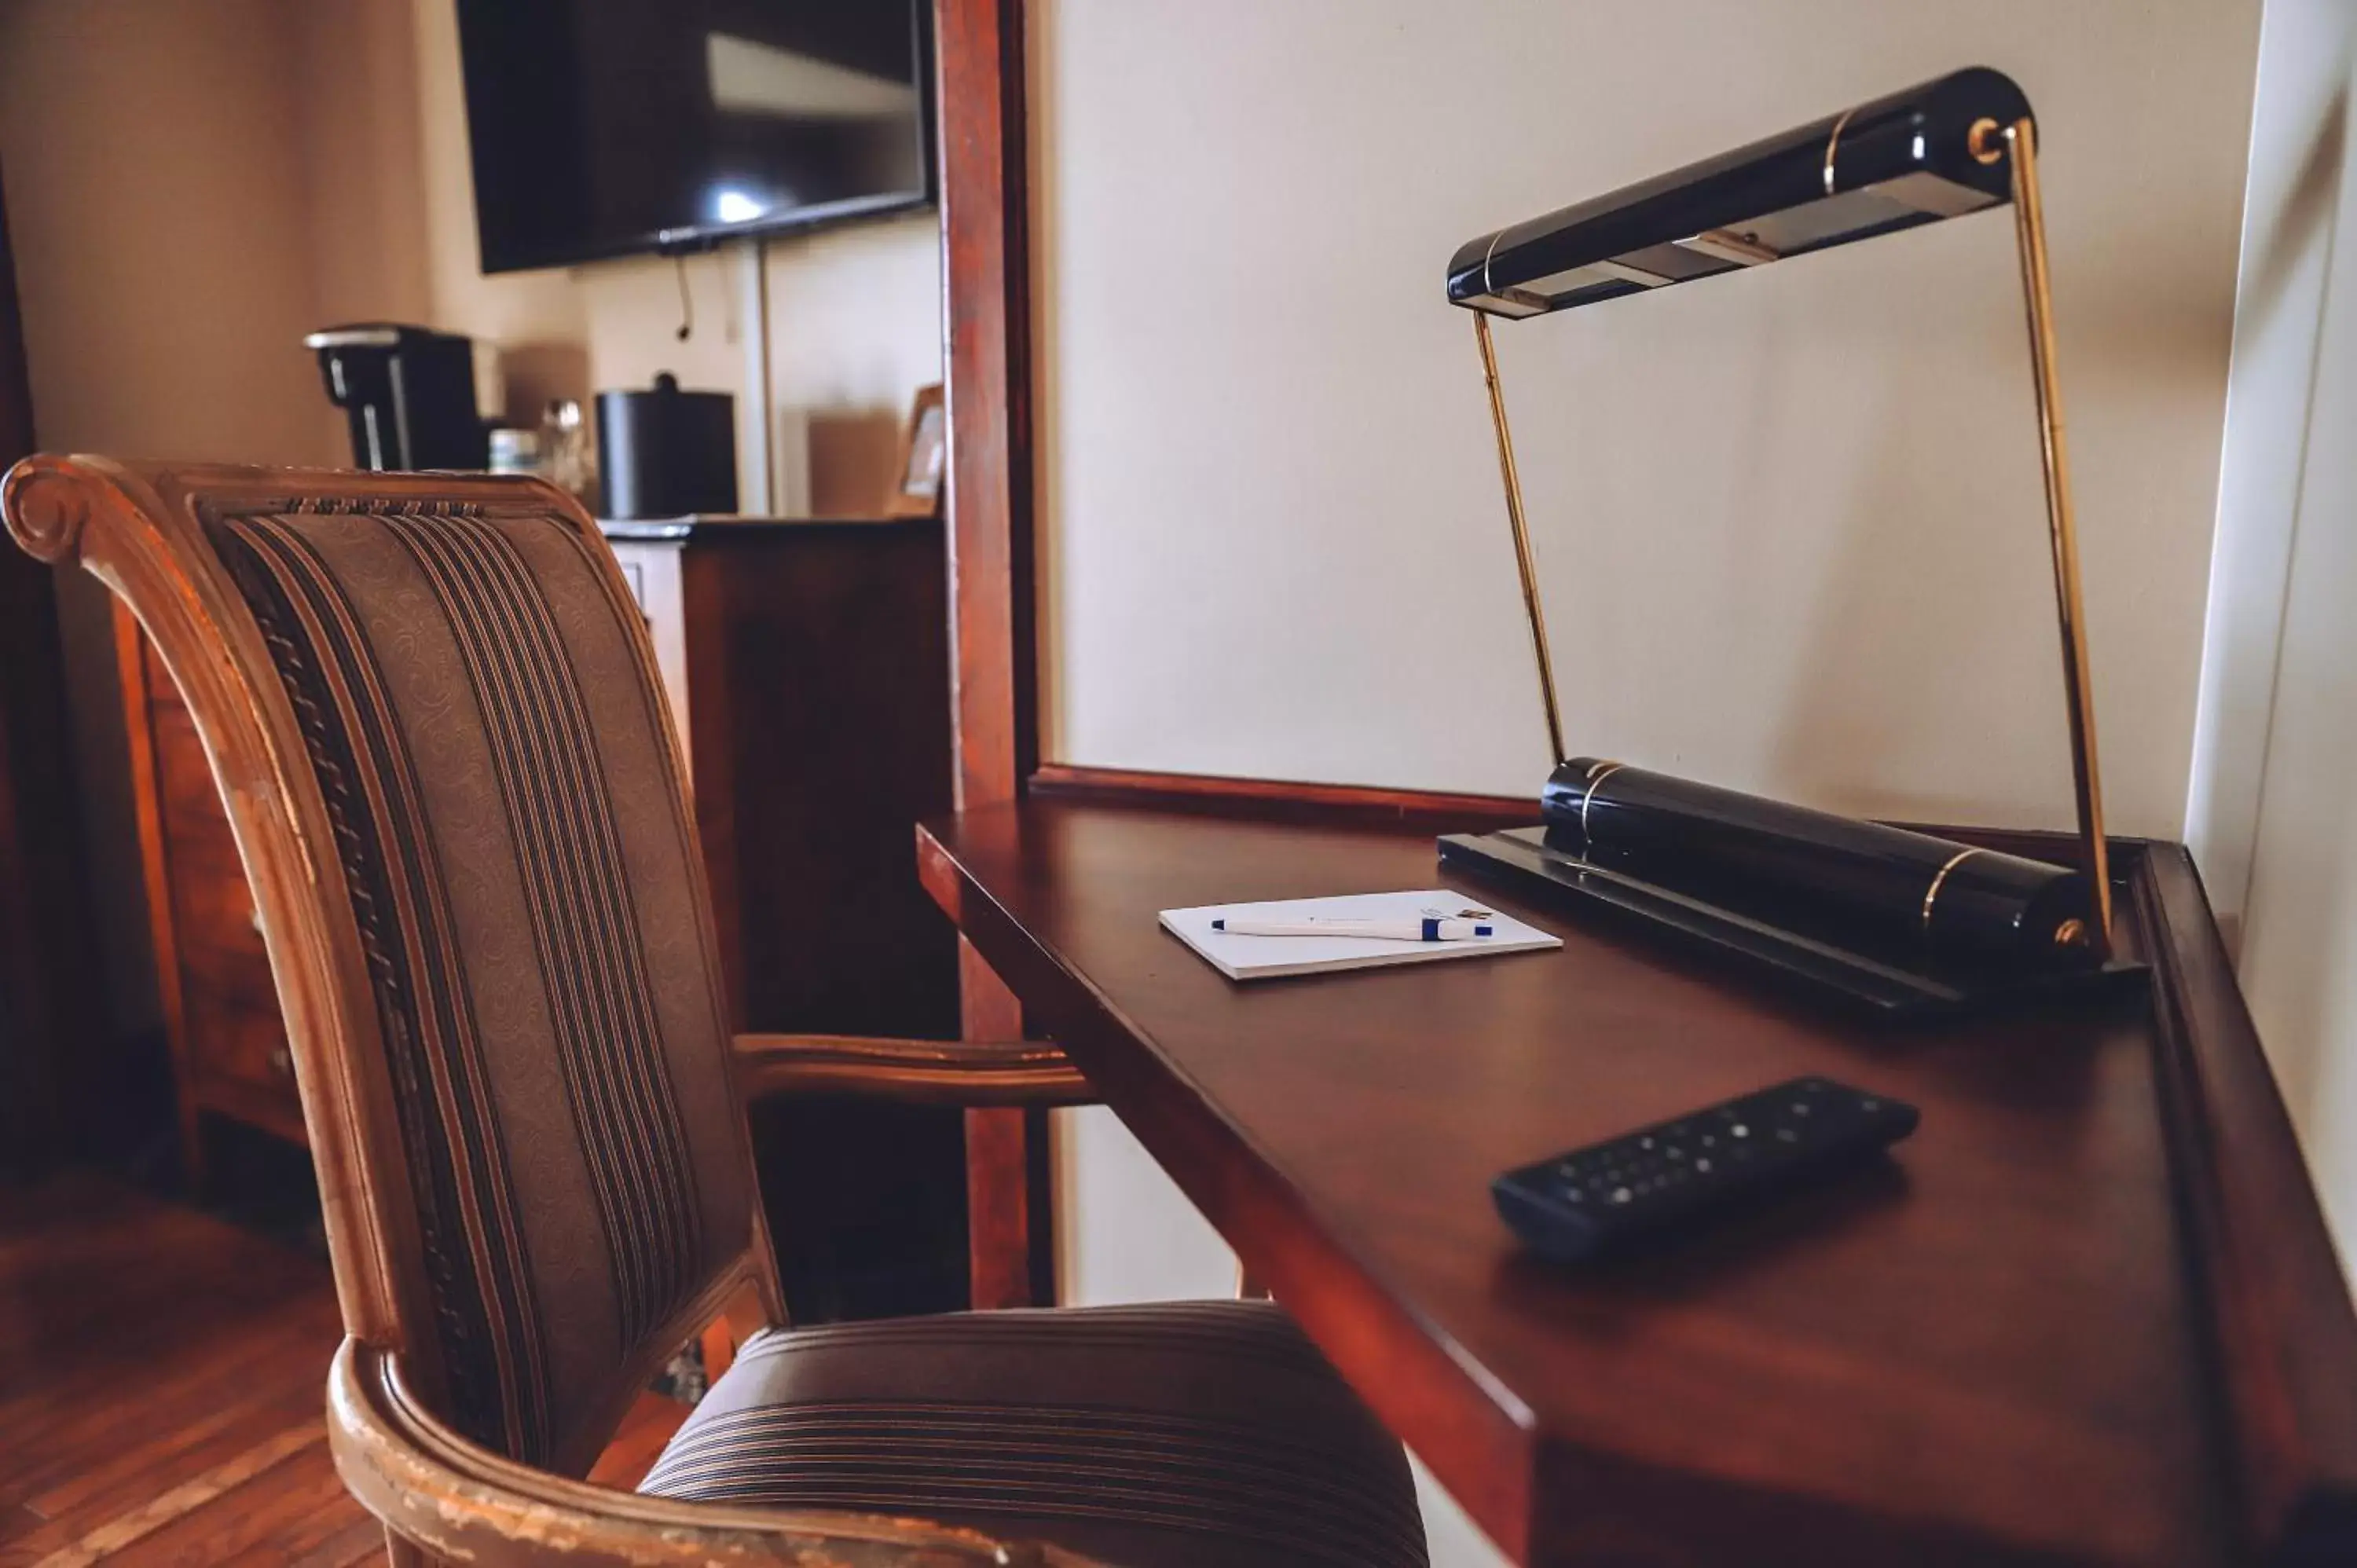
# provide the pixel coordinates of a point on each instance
(1602, 1197)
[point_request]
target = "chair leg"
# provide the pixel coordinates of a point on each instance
(719, 1346)
(739, 1319)
(400, 1553)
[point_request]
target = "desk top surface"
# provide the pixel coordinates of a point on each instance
(1988, 1352)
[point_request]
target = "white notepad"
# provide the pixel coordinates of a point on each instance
(1265, 958)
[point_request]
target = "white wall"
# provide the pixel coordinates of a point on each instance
(2271, 816)
(1789, 522)
(163, 252)
(153, 193)
(2290, 221)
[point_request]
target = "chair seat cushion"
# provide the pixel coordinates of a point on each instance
(1185, 1433)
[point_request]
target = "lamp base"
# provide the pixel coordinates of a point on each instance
(1898, 986)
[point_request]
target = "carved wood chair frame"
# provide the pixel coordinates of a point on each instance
(140, 530)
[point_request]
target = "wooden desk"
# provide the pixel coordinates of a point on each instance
(1994, 1353)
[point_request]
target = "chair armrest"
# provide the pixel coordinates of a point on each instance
(933, 1073)
(462, 1503)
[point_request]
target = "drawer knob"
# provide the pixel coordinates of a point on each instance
(253, 918)
(282, 1060)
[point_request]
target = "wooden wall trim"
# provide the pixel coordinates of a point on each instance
(1267, 800)
(1440, 810)
(985, 283)
(986, 320)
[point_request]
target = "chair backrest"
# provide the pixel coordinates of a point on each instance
(434, 715)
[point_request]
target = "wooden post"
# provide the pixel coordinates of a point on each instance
(985, 271)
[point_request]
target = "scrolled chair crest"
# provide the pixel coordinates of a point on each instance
(45, 505)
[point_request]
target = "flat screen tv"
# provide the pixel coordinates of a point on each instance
(601, 128)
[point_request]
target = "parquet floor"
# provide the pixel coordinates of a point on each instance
(160, 1390)
(161, 1378)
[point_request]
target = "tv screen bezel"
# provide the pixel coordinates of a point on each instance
(690, 239)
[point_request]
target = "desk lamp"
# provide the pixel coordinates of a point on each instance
(1900, 921)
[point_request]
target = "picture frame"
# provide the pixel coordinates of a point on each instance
(922, 473)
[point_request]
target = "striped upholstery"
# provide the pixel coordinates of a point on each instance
(498, 770)
(1190, 1432)
(512, 834)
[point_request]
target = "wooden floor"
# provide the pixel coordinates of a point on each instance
(162, 1377)
(161, 1383)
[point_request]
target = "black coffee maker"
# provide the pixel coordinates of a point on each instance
(409, 393)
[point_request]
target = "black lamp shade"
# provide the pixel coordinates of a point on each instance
(1915, 156)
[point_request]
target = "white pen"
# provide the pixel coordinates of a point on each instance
(1427, 929)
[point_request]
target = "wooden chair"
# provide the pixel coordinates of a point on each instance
(432, 714)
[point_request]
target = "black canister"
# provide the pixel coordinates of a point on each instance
(666, 453)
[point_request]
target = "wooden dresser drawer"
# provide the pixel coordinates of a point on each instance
(229, 1040)
(228, 1000)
